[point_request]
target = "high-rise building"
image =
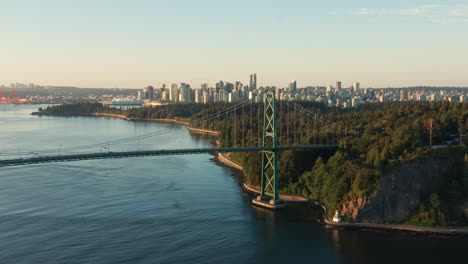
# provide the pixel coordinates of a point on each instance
(223, 96)
(421, 97)
(198, 95)
(403, 95)
(185, 93)
(382, 98)
(338, 86)
(219, 86)
(253, 81)
(245, 93)
(293, 86)
(205, 98)
(165, 95)
(355, 101)
(191, 95)
(204, 86)
(278, 94)
(233, 97)
(141, 95)
(251, 95)
(238, 86)
(211, 92)
(174, 93)
(149, 92)
(356, 87)
(229, 87)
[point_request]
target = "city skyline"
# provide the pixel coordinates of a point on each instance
(123, 44)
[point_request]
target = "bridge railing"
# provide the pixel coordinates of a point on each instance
(144, 153)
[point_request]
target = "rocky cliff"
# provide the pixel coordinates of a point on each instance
(402, 189)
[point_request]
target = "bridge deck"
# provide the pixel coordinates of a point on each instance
(129, 154)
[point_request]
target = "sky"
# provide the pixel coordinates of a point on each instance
(134, 43)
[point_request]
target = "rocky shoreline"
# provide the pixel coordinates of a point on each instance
(434, 231)
(437, 231)
(440, 231)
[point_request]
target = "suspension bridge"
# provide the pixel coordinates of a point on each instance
(268, 140)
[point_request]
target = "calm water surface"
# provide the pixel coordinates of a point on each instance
(175, 209)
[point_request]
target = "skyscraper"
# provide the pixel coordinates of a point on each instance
(253, 81)
(165, 95)
(245, 93)
(198, 95)
(338, 86)
(293, 86)
(229, 87)
(174, 93)
(141, 95)
(238, 86)
(219, 86)
(205, 98)
(403, 95)
(356, 87)
(185, 93)
(149, 92)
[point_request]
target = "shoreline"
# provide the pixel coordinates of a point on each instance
(288, 198)
(202, 131)
(450, 232)
(285, 197)
(221, 157)
(447, 231)
(226, 161)
(159, 120)
(423, 230)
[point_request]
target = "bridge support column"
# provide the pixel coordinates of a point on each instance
(269, 196)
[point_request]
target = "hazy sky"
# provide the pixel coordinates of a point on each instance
(132, 43)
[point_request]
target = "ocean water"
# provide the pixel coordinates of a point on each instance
(172, 209)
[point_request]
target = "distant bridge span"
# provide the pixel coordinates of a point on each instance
(147, 153)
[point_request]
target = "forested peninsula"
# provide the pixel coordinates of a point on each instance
(397, 162)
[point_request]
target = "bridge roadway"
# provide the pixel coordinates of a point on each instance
(130, 154)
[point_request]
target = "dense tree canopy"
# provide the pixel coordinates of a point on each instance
(372, 139)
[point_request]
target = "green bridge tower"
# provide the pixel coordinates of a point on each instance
(269, 196)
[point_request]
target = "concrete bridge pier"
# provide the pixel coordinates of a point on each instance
(267, 202)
